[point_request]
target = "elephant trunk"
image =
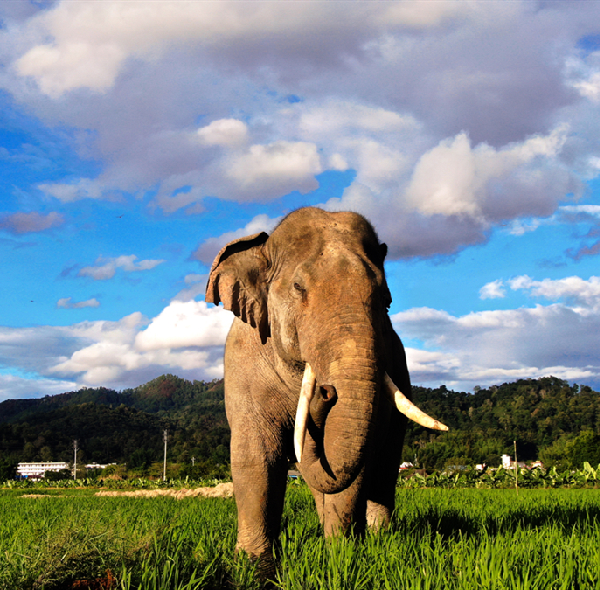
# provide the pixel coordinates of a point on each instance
(333, 453)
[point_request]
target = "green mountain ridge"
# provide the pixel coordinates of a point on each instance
(120, 427)
(548, 418)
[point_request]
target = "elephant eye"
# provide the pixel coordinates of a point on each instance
(301, 291)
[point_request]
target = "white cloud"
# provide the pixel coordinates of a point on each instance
(378, 143)
(106, 267)
(186, 337)
(593, 210)
(68, 303)
(349, 118)
(590, 88)
(91, 41)
(585, 293)
(492, 290)
(519, 227)
(583, 74)
(194, 278)
(454, 179)
(385, 90)
(225, 132)
(452, 195)
(186, 325)
(281, 166)
(82, 188)
(20, 387)
(25, 223)
(490, 347)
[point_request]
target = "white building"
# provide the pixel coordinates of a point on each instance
(98, 465)
(38, 470)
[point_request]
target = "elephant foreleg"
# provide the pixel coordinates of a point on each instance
(384, 467)
(259, 489)
(342, 512)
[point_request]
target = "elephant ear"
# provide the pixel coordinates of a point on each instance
(387, 295)
(237, 278)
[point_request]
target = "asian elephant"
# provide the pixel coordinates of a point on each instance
(313, 370)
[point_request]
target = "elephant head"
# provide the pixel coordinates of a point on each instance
(315, 292)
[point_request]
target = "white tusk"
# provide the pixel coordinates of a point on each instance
(406, 407)
(307, 392)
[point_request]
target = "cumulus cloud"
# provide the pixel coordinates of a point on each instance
(578, 291)
(490, 347)
(432, 126)
(106, 268)
(27, 387)
(237, 171)
(186, 325)
(227, 132)
(492, 290)
(396, 68)
(279, 167)
(91, 54)
(82, 188)
(207, 251)
(454, 179)
(185, 336)
(68, 303)
(25, 223)
(455, 193)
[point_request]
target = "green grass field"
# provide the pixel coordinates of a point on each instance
(440, 538)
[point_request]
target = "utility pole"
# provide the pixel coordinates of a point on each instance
(516, 469)
(75, 459)
(165, 458)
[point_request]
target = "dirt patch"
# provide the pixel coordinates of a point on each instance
(223, 490)
(37, 496)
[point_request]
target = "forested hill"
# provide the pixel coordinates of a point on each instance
(120, 427)
(166, 395)
(547, 417)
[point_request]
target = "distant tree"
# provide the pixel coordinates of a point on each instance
(585, 447)
(557, 454)
(8, 469)
(141, 459)
(59, 475)
(46, 453)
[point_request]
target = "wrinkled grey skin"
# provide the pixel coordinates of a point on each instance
(314, 291)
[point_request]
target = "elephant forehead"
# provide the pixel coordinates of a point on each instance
(310, 243)
(311, 223)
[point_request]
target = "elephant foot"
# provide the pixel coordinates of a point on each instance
(378, 515)
(260, 566)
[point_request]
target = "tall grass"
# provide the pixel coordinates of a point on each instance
(459, 539)
(463, 538)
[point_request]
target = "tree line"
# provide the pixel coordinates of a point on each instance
(549, 419)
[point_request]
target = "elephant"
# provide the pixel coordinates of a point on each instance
(314, 372)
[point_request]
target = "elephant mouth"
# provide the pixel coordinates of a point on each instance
(307, 393)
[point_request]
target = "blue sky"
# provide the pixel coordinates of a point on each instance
(136, 139)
